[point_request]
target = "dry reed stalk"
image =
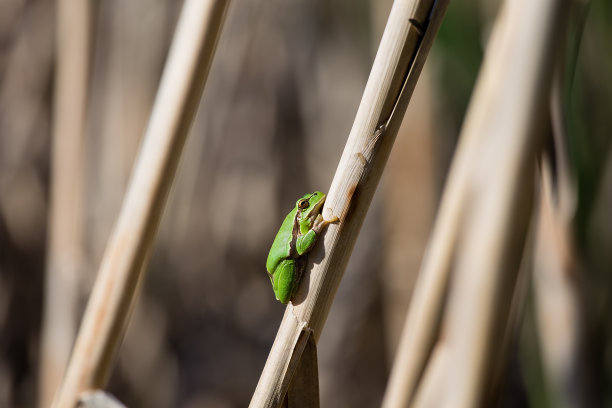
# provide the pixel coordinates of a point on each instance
(558, 309)
(558, 306)
(99, 399)
(485, 210)
(405, 44)
(429, 395)
(509, 113)
(120, 276)
(65, 263)
(510, 107)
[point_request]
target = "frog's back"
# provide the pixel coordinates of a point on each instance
(282, 242)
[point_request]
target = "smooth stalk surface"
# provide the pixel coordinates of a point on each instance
(64, 268)
(405, 44)
(119, 277)
(482, 224)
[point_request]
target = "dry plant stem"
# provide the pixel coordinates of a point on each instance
(128, 248)
(502, 122)
(423, 317)
(304, 387)
(64, 263)
(435, 379)
(557, 301)
(398, 63)
(558, 305)
(98, 399)
(428, 394)
(509, 108)
(510, 329)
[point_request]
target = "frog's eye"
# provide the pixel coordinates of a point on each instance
(303, 204)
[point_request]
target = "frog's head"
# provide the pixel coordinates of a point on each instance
(309, 206)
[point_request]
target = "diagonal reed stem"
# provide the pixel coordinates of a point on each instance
(129, 246)
(405, 44)
(481, 227)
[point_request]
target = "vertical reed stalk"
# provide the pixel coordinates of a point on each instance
(64, 259)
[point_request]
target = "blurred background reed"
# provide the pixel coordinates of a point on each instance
(280, 100)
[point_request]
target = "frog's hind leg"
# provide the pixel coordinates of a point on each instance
(283, 282)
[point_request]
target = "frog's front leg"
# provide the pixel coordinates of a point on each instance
(305, 242)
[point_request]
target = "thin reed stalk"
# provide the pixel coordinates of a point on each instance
(405, 44)
(558, 302)
(64, 256)
(128, 248)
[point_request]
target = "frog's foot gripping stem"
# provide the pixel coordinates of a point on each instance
(320, 223)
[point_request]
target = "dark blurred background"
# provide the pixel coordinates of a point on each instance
(278, 106)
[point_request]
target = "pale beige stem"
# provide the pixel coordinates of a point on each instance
(556, 295)
(128, 248)
(64, 259)
(558, 306)
(482, 222)
(510, 110)
(401, 55)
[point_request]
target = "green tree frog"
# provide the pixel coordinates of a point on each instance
(297, 235)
